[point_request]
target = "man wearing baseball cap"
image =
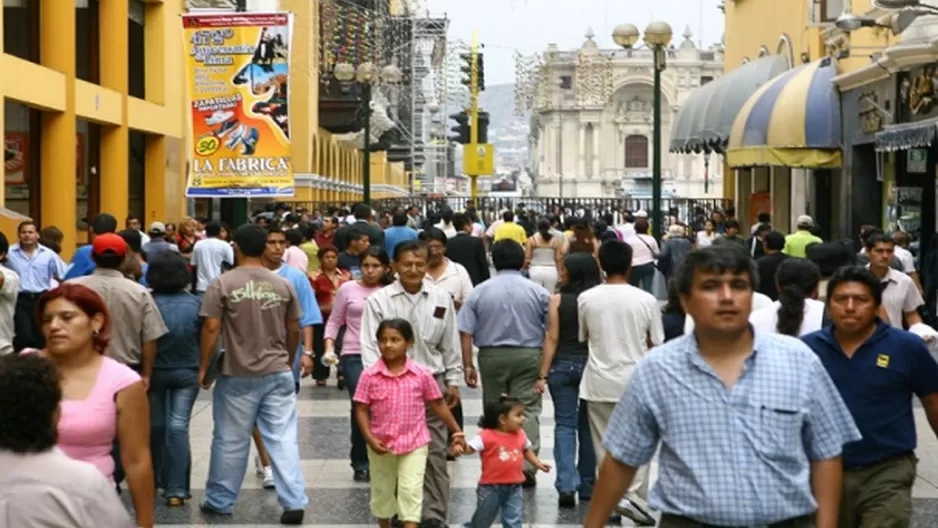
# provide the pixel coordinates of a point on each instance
(796, 244)
(158, 241)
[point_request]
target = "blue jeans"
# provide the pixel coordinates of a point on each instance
(172, 397)
(238, 403)
(571, 427)
(494, 497)
(643, 277)
(351, 368)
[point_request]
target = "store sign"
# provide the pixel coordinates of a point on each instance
(916, 161)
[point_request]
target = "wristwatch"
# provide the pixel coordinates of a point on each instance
(309, 353)
(542, 378)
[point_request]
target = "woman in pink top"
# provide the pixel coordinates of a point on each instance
(347, 312)
(103, 400)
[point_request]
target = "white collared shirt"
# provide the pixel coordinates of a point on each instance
(900, 295)
(455, 280)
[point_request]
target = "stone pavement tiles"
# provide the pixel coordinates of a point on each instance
(337, 501)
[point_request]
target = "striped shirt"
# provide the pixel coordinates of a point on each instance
(737, 457)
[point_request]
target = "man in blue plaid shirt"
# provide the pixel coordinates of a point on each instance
(751, 426)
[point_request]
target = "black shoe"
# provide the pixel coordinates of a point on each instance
(530, 480)
(615, 520)
(432, 523)
(205, 508)
(396, 522)
(362, 475)
(291, 517)
(340, 384)
(567, 500)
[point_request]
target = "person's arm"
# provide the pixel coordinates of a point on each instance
(550, 343)
(153, 328)
(371, 318)
(336, 319)
(451, 349)
(133, 434)
(913, 299)
(483, 261)
(293, 336)
(528, 253)
(363, 418)
(826, 483)
(467, 326)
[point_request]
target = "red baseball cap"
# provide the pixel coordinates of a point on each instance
(109, 243)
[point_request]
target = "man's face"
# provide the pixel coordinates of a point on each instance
(720, 303)
(732, 231)
(852, 307)
(276, 245)
(436, 250)
(881, 255)
(28, 235)
(134, 224)
(328, 224)
(360, 245)
(412, 267)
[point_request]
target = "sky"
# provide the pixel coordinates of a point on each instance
(530, 25)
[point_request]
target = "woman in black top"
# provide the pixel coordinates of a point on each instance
(672, 315)
(561, 370)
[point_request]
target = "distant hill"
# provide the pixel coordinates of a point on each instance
(498, 101)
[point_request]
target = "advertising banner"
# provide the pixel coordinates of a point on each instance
(238, 68)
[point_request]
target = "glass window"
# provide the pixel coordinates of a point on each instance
(636, 152)
(20, 25)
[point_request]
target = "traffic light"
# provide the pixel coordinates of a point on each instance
(466, 69)
(483, 127)
(480, 62)
(462, 129)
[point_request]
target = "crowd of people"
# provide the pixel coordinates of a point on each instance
(772, 373)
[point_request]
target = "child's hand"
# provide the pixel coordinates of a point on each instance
(456, 449)
(541, 465)
(459, 442)
(378, 447)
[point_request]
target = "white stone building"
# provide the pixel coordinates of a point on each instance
(591, 134)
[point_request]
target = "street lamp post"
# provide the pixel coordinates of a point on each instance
(366, 75)
(657, 38)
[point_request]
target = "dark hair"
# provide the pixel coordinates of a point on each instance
(543, 227)
(212, 229)
(731, 224)
(795, 279)
(382, 256)
(433, 233)
(856, 274)
(168, 272)
(763, 228)
(608, 235)
(507, 255)
(582, 273)
(51, 237)
(674, 299)
(508, 216)
(496, 409)
(29, 398)
(103, 223)
(399, 220)
(714, 259)
(774, 241)
(641, 226)
(25, 223)
(109, 261)
(294, 236)
(460, 221)
(401, 325)
(87, 300)
(251, 240)
(4, 243)
(356, 232)
(764, 218)
(275, 229)
(615, 257)
(447, 215)
(878, 238)
(361, 211)
(409, 246)
(133, 239)
(326, 249)
(831, 256)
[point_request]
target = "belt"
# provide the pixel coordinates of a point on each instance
(894, 458)
(30, 295)
(685, 522)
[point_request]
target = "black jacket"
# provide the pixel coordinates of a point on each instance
(470, 252)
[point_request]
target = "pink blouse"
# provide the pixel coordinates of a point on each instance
(87, 428)
(347, 309)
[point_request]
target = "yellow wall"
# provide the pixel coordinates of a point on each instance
(51, 86)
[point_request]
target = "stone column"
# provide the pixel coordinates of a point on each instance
(596, 156)
(581, 151)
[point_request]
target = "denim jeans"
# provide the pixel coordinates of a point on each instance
(351, 368)
(172, 396)
(494, 497)
(571, 429)
(238, 403)
(643, 277)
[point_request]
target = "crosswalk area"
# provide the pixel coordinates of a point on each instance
(338, 502)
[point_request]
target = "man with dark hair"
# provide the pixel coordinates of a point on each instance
(731, 236)
(37, 268)
(509, 230)
(621, 322)
(250, 305)
(726, 395)
(82, 264)
(363, 214)
(397, 233)
(767, 265)
(39, 484)
(135, 264)
(468, 250)
(510, 341)
(134, 222)
(431, 312)
(901, 298)
(210, 257)
(877, 369)
(446, 223)
(358, 243)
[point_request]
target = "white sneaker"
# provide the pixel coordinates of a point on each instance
(258, 467)
(268, 477)
(632, 511)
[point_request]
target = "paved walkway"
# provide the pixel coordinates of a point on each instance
(337, 501)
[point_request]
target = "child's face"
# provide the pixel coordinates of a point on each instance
(514, 420)
(392, 344)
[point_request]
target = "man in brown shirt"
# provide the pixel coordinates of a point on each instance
(250, 306)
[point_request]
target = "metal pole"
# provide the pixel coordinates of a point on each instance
(656, 154)
(366, 164)
(474, 114)
(560, 142)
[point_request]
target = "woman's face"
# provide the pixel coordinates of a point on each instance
(709, 226)
(67, 328)
(170, 231)
(372, 270)
(223, 234)
(329, 261)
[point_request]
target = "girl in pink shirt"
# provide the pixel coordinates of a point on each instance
(503, 448)
(391, 411)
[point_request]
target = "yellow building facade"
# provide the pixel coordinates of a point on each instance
(108, 77)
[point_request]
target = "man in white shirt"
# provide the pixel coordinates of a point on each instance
(210, 257)
(621, 323)
(901, 298)
(9, 289)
